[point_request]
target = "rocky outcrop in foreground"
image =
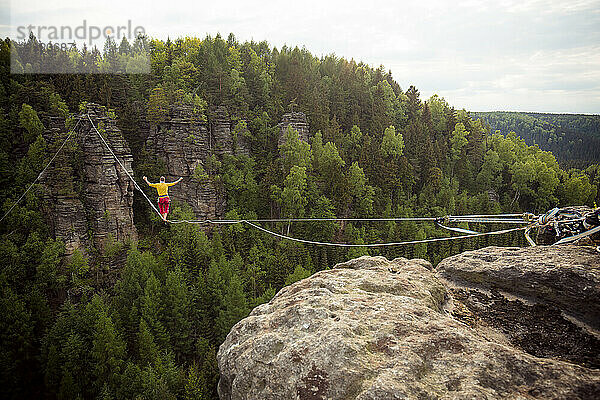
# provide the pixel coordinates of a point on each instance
(544, 300)
(486, 325)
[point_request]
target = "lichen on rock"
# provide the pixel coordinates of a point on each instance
(377, 329)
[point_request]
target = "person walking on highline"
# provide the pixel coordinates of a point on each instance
(162, 188)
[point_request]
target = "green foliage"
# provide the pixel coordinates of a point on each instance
(577, 189)
(458, 140)
(490, 176)
(420, 250)
(298, 274)
(294, 151)
(48, 271)
(29, 120)
(112, 247)
(572, 138)
(108, 350)
(158, 105)
(149, 326)
(392, 144)
(239, 178)
(58, 106)
(293, 195)
(177, 301)
(78, 267)
(200, 175)
(438, 106)
(195, 384)
(17, 341)
(235, 307)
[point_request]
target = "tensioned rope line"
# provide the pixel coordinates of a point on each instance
(381, 244)
(252, 224)
(525, 218)
(467, 218)
(578, 236)
(122, 166)
(44, 170)
(287, 220)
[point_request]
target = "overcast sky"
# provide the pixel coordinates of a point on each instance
(524, 55)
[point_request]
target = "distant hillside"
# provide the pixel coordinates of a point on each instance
(573, 138)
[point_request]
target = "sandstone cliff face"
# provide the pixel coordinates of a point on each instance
(296, 120)
(184, 143)
(88, 196)
(543, 300)
(378, 329)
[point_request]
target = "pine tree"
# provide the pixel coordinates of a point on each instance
(152, 310)
(211, 303)
(176, 313)
(195, 385)
(108, 349)
(16, 341)
(146, 347)
(234, 309)
(129, 292)
(124, 47)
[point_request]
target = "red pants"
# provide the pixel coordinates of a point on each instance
(163, 204)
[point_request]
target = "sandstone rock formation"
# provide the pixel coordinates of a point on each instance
(296, 120)
(62, 205)
(544, 300)
(88, 196)
(184, 143)
(378, 329)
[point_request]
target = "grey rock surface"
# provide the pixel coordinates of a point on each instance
(377, 329)
(88, 196)
(183, 144)
(296, 120)
(567, 277)
(221, 139)
(543, 300)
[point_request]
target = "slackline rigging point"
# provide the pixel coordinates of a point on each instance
(569, 225)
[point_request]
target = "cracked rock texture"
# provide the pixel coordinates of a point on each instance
(544, 300)
(377, 329)
(184, 143)
(296, 120)
(88, 197)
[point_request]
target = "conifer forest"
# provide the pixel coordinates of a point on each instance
(143, 318)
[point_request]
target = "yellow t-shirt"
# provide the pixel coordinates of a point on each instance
(162, 188)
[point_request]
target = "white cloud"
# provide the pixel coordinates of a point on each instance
(548, 6)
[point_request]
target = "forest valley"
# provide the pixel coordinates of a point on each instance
(143, 319)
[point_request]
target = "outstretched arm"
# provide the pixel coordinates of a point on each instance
(148, 182)
(176, 182)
